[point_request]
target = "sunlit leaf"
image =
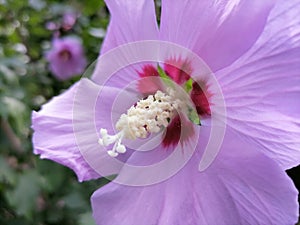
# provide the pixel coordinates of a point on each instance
(86, 219)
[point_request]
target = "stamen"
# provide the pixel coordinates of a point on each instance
(148, 116)
(107, 139)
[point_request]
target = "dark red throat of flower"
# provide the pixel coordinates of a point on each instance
(179, 71)
(65, 55)
(199, 96)
(178, 129)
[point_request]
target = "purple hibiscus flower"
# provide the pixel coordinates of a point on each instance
(192, 141)
(66, 58)
(69, 20)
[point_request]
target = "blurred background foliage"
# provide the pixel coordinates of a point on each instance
(34, 191)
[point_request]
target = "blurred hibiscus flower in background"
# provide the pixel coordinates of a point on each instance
(66, 57)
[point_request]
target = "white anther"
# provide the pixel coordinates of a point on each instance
(148, 115)
(100, 141)
(121, 149)
(103, 132)
(107, 139)
(112, 153)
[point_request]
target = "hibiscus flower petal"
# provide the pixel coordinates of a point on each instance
(218, 31)
(53, 136)
(262, 89)
(130, 21)
(99, 107)
(66, 129)
(230, 191)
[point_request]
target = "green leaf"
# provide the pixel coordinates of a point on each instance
(166, 79)
(3, 110)
(23, 197)
(86, 219)
(6, 172)
(14, 106)
(188, 85)
(193, 116)
(74, 200)
(17, 111)
(52, 179)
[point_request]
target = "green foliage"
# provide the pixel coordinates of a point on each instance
(35, 191)
(188, 85)
(165, 78)
(193, 116)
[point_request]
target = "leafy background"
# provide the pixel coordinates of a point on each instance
(35, 191)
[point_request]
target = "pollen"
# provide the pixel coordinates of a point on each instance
(149, 115)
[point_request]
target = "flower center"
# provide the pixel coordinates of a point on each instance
(147, 116)
(65, 55)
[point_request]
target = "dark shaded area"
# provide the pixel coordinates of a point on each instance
(294, 173)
